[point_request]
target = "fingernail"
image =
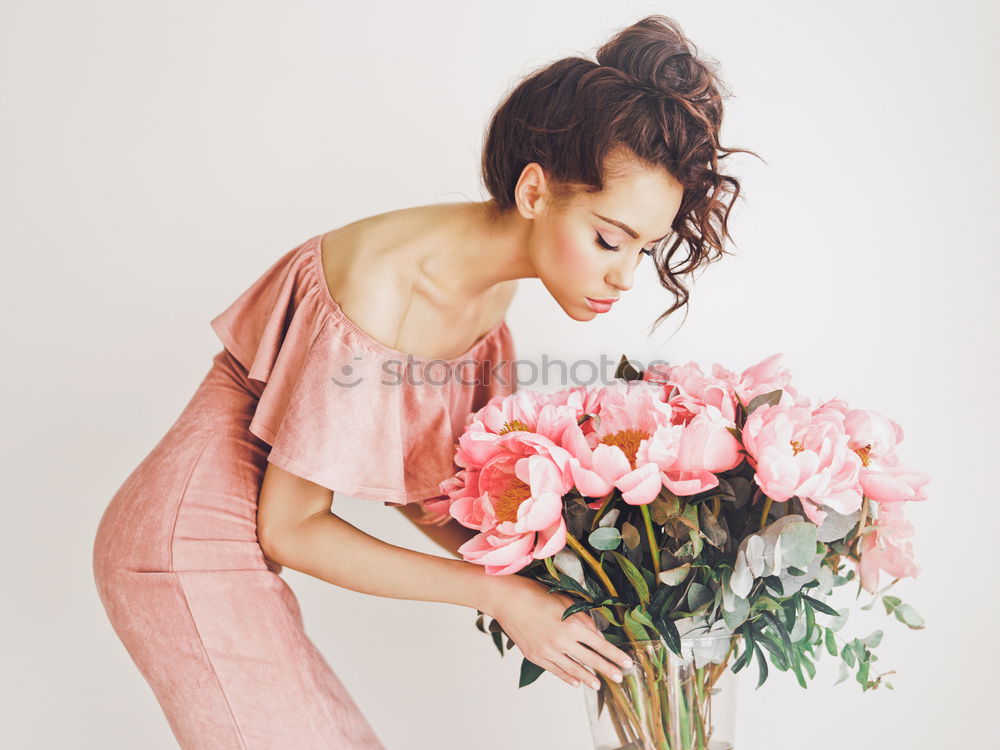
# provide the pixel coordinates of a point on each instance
(596, 685)
(628, 664)
(616, 677)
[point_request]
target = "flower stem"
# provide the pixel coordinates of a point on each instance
(573, 542)
(763, 516)
(654, 550)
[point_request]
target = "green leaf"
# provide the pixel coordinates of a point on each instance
(675, 576)
(873, 640)
(748, 648)
(634, 577)
(890, 603)
(809, 666)
(660, 596)
(771, 398)
(642, 617)
(634, 627)
(630, 535)
(529, 673)
(831, 643)
(819, 606)
(698, 596)
(907, 615)
(572, 609)
(604, 538)
(862, 675)
(839, 621)
(761, 666)
(668, 631)
(777, 653)
(779, 627)
(845, 672)
(606, 613)
(847, 654)
(798, 544)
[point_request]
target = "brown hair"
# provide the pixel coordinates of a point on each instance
(649, 92)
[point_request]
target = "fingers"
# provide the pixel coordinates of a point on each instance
(562, 674)
(581, 653)
(575, 670)
(595, 639)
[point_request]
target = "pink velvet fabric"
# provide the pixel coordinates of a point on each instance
(206, 617)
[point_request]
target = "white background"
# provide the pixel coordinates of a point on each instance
(157, 157)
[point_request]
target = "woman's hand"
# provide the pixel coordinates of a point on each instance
(531, 616)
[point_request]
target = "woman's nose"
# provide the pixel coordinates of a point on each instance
(620, 277)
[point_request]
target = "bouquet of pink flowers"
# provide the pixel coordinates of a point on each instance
(674, 501)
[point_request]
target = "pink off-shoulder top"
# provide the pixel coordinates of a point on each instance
(343, 410)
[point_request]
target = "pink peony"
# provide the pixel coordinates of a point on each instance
(612, 453)
(887, 548)
(874, 438)
(763, 377)
(689, 391)
(518, 508)
(805, 454)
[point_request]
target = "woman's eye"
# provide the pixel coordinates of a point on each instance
(605, 245)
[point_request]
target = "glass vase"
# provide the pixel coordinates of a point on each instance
(666, 701)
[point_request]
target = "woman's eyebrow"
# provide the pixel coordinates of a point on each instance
(621, 225)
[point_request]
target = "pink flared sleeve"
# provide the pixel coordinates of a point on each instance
(338, 408)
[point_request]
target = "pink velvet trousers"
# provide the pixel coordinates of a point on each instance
(210, 624)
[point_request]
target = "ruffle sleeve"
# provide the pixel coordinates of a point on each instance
(339, 408)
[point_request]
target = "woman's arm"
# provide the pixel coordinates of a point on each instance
(297, 528)
(449, 536)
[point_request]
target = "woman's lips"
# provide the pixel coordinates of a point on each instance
(599, 306)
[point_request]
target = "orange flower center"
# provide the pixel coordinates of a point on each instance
(510, 500)
(796, 447)
(628, 440)
(514, 425)
(863, 453)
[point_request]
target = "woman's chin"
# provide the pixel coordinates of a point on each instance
(581, 313)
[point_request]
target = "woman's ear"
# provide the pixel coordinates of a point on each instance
(531, 191)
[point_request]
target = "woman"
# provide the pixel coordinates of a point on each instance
(590, 166)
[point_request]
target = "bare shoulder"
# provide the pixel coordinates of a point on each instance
(372, 269)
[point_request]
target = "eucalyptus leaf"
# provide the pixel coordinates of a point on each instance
(873, 640)
(771, 398)
(742, 577)
(726, 492)
(798, 542)
(604, 538)
(567, 562)
(710, 526)
(698, 595)
(738, 614)
(907, 615)
(630, 535)
(836, 526)
(743, 490)
(845, 672)
(609, 518)
(675, 576)
(839, 621)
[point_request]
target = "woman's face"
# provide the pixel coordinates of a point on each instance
(592, 245)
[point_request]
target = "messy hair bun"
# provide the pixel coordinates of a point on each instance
(648, 91)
